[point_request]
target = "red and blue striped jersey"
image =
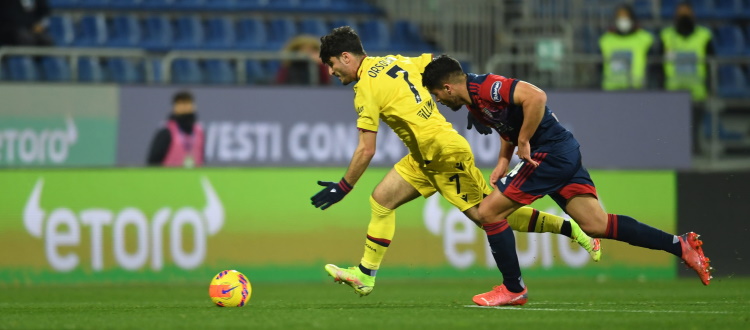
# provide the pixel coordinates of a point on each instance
(492, 103)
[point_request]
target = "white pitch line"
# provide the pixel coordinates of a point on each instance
(595, 310)
(599, 303)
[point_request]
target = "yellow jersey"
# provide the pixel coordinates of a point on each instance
(390, 89)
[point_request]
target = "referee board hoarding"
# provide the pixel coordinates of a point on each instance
(297, 126)
(176, 225)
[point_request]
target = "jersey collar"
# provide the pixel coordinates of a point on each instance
(359, 69)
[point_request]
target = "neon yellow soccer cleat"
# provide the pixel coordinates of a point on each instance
(592, 245)
(352, 276)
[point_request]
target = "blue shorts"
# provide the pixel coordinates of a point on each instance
(560, 175)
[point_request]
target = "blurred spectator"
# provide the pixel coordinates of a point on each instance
(24, 23)
(297, 72)
(685, 47)
(180, 143)
(624, 49)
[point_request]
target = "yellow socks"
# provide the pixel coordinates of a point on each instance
(379, 235)
(531, 220)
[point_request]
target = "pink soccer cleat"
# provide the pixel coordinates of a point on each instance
(500, 296)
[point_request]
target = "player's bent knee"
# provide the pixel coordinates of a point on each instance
(593, 227)
(494, 209)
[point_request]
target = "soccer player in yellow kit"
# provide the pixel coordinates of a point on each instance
(390, 88)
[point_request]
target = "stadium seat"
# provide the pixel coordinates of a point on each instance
(251, 5)
(282, 5)
(723, 133)
(553, 8)
(92, 4)
(219, 72)
(255, 73)
(314, 5)
(55, 68)
(63, 4)
(280, 30)
(220, 4)
(375, 35)
(314, 26)
(728, 41)
(125, 71)
(668, 8)
(727, 8)
(156, 4)
(271, 68)
(703, 8)
(156, 33)
(91, 31)
(20, 68)
(124, 31)
(406, 37)
(251, 34)
(156, 70)
(61, 30)
(189, 33)
(187, 4)
(343, 22)
(733, 82)
(90, 70)
(125, 4)
(219, 33)
(588, 39)
(186, 71)
(643, 9)
(354, 7)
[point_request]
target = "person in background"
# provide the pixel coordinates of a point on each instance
(24, 23)
(181, 142)
(624, 50)
(685, 46)
(297, 72)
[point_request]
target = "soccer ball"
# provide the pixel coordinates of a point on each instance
(230, 289)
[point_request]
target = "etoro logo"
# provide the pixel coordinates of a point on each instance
(37, 146)
(61, 229)
(458, 232)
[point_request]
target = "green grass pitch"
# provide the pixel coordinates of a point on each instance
(412, 304)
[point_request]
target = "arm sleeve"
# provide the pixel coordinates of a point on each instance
(498, 89)
(367, 109)
(159, 147)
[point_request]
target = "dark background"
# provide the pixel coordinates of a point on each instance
(717, 206)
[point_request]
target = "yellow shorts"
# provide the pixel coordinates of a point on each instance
(455, 177)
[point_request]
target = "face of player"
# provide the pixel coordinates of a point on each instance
(183, 107)
(447, 98)
(342, 68)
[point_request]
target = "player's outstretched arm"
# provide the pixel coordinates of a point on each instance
(533, 100)
(335, 191)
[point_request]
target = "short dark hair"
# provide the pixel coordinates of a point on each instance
(341, 39)
(628, 10)
(684, 4)
(441, 70)
(182, 96)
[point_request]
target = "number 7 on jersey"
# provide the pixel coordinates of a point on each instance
(393, 72)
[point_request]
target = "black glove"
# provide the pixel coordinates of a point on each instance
(331, 194)
(481, 128)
